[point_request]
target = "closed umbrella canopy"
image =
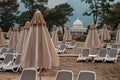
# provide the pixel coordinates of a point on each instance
(105, 35)
(2, 39)
(67, 35)
(55, 36)
(22, 39)
(26, 30)
(118, 35)
(9, 32)
(39, 49)
(92, 39)
(15, 35)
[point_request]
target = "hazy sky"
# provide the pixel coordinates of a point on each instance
(78, 6)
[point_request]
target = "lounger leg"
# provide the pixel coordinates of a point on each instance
(115, 61)
(103, 60)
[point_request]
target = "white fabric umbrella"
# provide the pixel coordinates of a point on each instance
(55, 36)
(2, 38)
(118, 35)
(26, 30)
(9, 32)
(105, 35)
(67, 36)
(15, 35)
(23, 34)
(92, 39)
(39, 49)
(20, 41)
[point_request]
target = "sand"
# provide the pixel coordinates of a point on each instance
(104, 71)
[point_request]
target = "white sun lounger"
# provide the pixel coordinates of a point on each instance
(2, 51)
(14, 66)
(72, 45)
(114, 46)
(10, 51)
(62, 48)
(29, 74)
(101, 55)
(7, 60)
(64, 75)
(84, 55)
(112, 56)
(86, 75)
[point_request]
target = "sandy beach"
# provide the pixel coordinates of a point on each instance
(104, 71)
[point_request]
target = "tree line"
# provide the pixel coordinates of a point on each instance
(103, 11)
(10, 16)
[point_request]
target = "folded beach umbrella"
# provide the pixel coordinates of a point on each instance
(20, 41)
(39, 49)
(92, 39)
(67, 35)
(118, 35)
(105, 35)
(9, 32)
(2, 38)
(26, 30)
(15, 35)
(23, 34)
(55, 36)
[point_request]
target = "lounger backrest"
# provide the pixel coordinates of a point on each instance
(10, 51)
(85, 52)
(113, 53)
(64, 75)
(114, 46)
(62, 47)
(112, 42)
(86, 75)
(4, 50)
(17, 60)
(73, 43)
(103, 52)
(8, 58)
(29, 74)
(63, 42)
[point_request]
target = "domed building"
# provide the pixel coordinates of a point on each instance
(78, 25)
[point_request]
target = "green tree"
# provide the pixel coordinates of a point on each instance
(59, 15)
(28, 14)
(55, 16)
(8, 11)
(113, 17)
(31, 7)
(29, 4)
(96, 8)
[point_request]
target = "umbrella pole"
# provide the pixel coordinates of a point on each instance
(40, 78)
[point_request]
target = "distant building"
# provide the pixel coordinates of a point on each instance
(78, 26)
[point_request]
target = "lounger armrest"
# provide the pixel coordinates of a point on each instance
(116, 56)
(18, 67)
(118, 50)
(107, 56)
(97, 55)
(10, 63)
(2, 56)
(79, 55)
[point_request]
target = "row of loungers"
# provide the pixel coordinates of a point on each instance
(103, 55)
(11, 61)
(5, 50)
(62, 47)
(31, 74)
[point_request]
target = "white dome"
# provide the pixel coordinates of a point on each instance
(77, 23)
